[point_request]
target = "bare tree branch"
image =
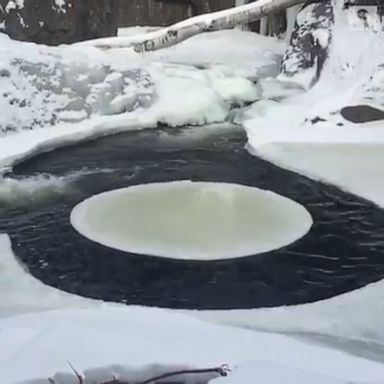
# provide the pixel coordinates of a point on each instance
(222, 371)
(81, 381)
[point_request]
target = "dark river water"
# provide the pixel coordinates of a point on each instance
(343, 251)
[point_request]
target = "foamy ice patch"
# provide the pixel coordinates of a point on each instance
(41, 186)
(192, 220)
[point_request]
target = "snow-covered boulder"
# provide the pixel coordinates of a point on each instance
(58, 21)
(44, 86)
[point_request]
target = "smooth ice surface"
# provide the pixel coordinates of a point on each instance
(191, 220)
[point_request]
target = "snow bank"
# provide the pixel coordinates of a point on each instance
(234, 52)
(38, 345)
(238, 52)
(43, 87)
(16, 147)
(350, 77)
(21, 292)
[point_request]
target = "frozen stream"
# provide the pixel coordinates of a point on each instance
(343, 250)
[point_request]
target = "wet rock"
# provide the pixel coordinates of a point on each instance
(362, 114)
(317, 119)
(55, 22)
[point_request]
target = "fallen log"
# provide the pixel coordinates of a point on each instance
(226, 19)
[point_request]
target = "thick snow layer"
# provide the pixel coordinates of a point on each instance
(271, 373)
(192, 220)
(44, 86)
(240, 52)
(39, 345)
(233, 52)
(72, 84)
(306, 132)
(352, 321)
(355, 167)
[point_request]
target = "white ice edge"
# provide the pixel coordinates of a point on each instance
(41, 140)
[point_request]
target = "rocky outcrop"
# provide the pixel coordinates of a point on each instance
(55, 22)
(310, 41)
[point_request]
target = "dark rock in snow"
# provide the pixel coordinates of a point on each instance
(310, 41)
(362, 114)
(317, 119)
(55, 22)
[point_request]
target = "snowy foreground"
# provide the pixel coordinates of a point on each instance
(125, 342)
(105, 340)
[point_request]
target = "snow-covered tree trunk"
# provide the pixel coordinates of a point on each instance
(176, 33)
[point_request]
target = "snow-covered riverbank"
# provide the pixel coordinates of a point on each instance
(38, 345)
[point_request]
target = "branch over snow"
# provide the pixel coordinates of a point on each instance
(209, 22)
(221, 371)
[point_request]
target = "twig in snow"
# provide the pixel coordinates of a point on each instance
(222, 371)
(81, 381)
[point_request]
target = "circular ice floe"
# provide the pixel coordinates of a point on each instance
(191, 220)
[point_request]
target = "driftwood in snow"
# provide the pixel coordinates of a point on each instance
(215, 21)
